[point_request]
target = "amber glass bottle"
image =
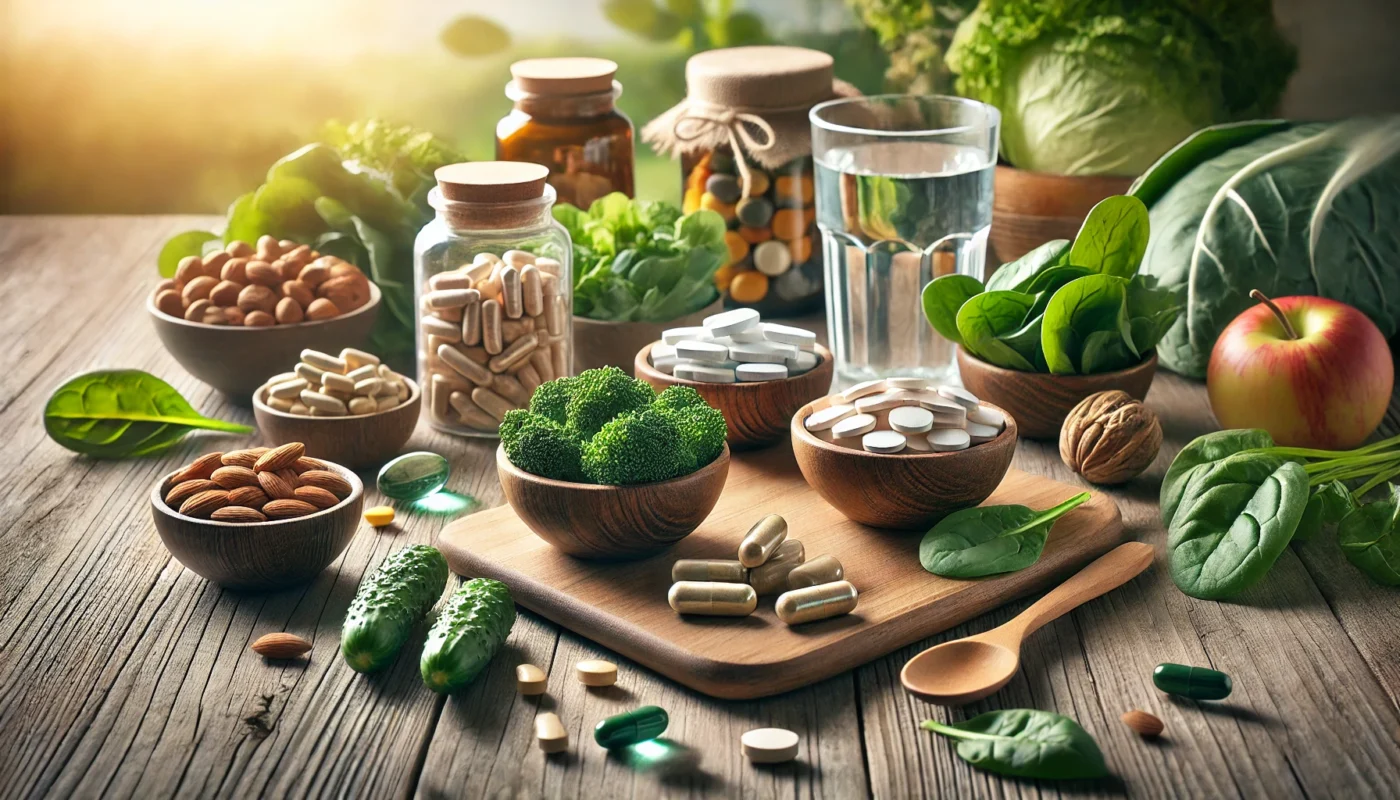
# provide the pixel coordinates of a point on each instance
(566, 118)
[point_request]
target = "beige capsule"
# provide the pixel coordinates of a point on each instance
(511, 298)
(762, 540)
(362, 405)
(471, 324)
(529, 378)
(491, 403)
(369, 387)
(450, 280)
(362, 373)
(771, 576)
(822, 569)
(701, 569)
(309, 373)
(531, 293)
(324, 403)
(470, 369)
(510, 388)
(449, 298)
(549, 285)
(812, 603)
(712, 599)
(441, 328)
(491, 326)
(386, 402)
(440, 392)
(280, 404)
(560, 356)
(543, 364)
(512, 329)
(558, 315)
(355, 358)
(518, 258)
(323, 361)
(517, 353)
(549, 266)
(333, 382)
(289, 389)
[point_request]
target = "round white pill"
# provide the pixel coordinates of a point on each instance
(758, 352)
(788, 334)
(725, 323)
(704, 373)
(917, 444)
(943, 441)
(981, 433)
(708, 352)
(802, 362)
(761, 372)
(770, 745)
(883, 441)
(960, 396)
(939, 404)
(986, 415)
(861, 390)
(907, 419)
(824, 419)
(906, 383)
(853, 426)
(676, 335)
(772, 258)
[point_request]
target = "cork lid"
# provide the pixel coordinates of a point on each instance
(491, 181)
(762, 76)
(564, 75)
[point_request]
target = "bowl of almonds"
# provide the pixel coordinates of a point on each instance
(233, 317)
(347, 408)
(260, 518)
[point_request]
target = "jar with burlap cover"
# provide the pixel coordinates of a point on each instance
(745, 146)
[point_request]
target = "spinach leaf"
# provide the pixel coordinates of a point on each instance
(1370, 541)
(1053, 278)
(1113, 237)
(1236, 516)
(118, 413)
(1151, 312)
(1079, 308)
(943, 297)
(1206, 449)
(1017, 275)
(1328, 504)
(1204, 144)
(986, 317)
(1025, 743)
(990, 540)
(1106, 351)
(179, 247)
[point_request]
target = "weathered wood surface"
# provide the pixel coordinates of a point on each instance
(124, 675)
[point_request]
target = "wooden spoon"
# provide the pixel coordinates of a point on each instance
(964, 670)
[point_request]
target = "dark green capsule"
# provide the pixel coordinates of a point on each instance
(1197, 683)
(638, 725)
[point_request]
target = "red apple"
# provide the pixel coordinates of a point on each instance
(1311, 371)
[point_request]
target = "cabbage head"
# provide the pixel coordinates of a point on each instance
(1105, 87)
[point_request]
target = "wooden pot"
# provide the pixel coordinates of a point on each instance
(1031, 208)
(1040, 401)
(604, 344)
(366, 440)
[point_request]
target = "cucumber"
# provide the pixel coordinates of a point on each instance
(468, 632)
(389, 603)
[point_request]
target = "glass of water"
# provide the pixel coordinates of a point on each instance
(904, 195)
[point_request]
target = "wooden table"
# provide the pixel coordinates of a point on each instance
(123, 674)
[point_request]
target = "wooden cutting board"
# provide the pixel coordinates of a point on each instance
(622, 605)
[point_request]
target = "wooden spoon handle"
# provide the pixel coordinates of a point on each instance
(1107, 572)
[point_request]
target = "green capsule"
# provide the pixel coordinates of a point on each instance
(414, 476)
(638, 725)
(1197, 683)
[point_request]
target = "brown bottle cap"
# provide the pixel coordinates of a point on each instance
(761, 76)
(491, 181)
(564, 75)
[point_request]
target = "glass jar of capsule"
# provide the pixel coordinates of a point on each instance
(566, 118)
(745, 147)
(494, 289)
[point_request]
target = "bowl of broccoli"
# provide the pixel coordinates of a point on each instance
(601, 466)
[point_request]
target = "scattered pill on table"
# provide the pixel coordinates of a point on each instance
(530, 679)
(762, 540)
(822, 569)
(910, 420)
(379, 516)
(771, 576)
(631, 727)
(699, 569)
(712, 599)
(596, 672)
(1197, 683)
(812, 603)
(550, 733)
(886, 442)
(769, 745)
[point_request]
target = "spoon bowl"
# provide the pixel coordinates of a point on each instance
(960, 671)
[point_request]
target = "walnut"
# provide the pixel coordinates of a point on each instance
(1110, 437)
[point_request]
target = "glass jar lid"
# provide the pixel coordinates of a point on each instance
(564, 76)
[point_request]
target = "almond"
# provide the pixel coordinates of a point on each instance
(316, 496)
(234, 477)
(235, 270)
(314, 274)
(280, 645)
(238, 514)
(204, 503)
(259, 319)
(280, 457)
(239, 249)
(327, 480)
(168, 302)
(275, 487)
(234, 315)
(244, 458)
(290, 476)
(214, 263)
(198, 288)
(225, 294)
(184, 490)
(288, 312)
(298, 291)
(320, 309)
(256, 297)
(189, 268)
(268, 249)
(248, 496)
(303, 464)
(201, 467)
(1143, 723)
(283, 508)
(263, 274)
(194, 312)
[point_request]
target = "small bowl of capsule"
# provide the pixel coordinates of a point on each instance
(348, 407)
(902, 453)
(756, 373)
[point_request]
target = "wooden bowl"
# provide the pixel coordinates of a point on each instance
(363, 441)
(757, 413)
(236, 360)
(259, 555)
(1040, 401)
(904, 491)
(615, 344)
(613, 522)
(1031, 208)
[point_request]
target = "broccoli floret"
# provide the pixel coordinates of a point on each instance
(597, 396)
(539, 445)
(640, 447)
(676, 398)
(552, 399)
(702, 430)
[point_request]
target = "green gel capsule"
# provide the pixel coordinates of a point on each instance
(638, 725)
(1197, 683)
(413, 476)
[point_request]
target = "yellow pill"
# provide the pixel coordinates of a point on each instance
(596, 672)
(379, 516)
(749, 287)
(738, 248)
(789, 224)
(724, 275)
(713, 203)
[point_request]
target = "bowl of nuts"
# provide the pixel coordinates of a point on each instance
(232, 317)
(350, 408)
(258, 519)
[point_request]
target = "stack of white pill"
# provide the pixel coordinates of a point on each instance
(735, 346)
(900, 415)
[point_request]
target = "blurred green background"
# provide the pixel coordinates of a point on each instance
(181, 105)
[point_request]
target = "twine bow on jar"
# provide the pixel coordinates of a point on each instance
(698, 120)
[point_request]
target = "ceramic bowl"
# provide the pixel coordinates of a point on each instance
(367, 440)
(605, 344)
(613, 522)
(1040, 401)
(904, 491)
(757, 413)
(236, 360)
(259, 556)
